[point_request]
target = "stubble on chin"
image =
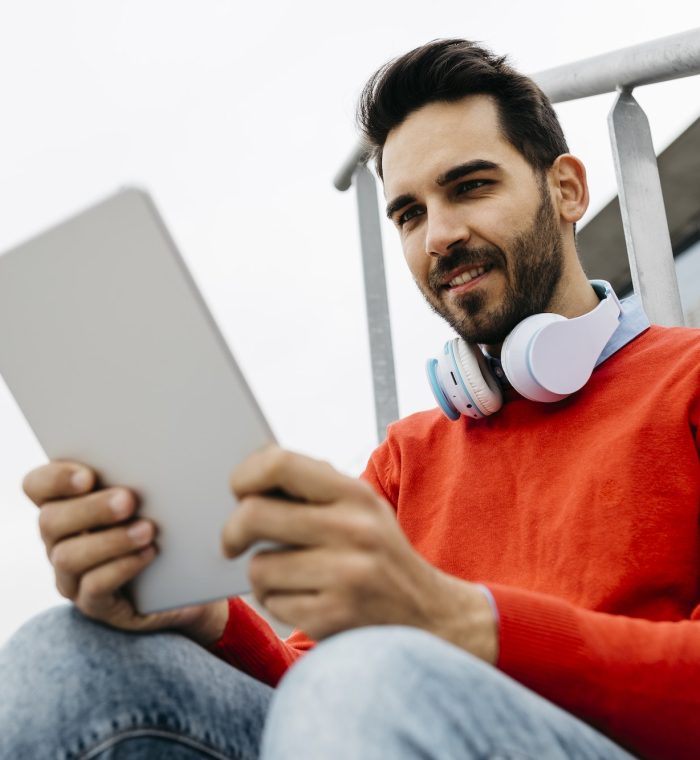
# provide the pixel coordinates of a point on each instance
(470, 317)
(531, 276)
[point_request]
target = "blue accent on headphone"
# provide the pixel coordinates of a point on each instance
(440, 397)
(528, 361)
(449, 346)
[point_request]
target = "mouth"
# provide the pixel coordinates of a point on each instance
(466, 278)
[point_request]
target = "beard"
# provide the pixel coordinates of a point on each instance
(532, 270)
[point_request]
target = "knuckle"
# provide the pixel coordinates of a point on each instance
(278, 459)
(257, 571)
(362, 531)
(366, 491)
(59, 557)
(328, 466)
(249, 511)
(360, 569)
(335, 617)
(38, 482)
(281, 607)
(232, 537)
(86, 606)
(369, 499)
(91, 587)
(63, 589)
(246, 507)
(28, 484)
(234, 481)
(273, 604)
(235, 530)
(228, 539)
(47, 522)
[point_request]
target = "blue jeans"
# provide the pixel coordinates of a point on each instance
(72, 688)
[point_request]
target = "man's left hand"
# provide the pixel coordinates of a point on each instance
(343, 560)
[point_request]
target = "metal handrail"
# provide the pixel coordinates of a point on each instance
(641, 202)
(660, 60)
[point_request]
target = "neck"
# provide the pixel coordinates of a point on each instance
(573, 297)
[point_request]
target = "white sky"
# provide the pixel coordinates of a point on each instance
(235, 116)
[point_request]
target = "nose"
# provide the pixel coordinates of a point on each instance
(446, 228)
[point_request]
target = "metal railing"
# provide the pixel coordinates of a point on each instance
(641, 201)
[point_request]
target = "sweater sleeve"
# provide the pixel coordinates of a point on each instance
(250, 644)
(638, 681)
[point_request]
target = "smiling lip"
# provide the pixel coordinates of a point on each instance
(458, 289)
(475, 275)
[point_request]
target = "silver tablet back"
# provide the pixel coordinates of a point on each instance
(115, 361)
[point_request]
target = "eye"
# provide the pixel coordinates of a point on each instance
(471, 184)
(410, 213)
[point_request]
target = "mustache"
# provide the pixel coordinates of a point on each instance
(463, 256)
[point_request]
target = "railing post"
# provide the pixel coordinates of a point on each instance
(381, 352)
(643, 213)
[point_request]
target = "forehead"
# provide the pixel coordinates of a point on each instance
(441, 135)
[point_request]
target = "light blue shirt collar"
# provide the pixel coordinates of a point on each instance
(633, 322)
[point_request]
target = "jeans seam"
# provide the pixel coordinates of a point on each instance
(131, 733)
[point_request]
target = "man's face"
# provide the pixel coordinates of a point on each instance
(477, 224)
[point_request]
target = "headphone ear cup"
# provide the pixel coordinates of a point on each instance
(476, 376)
(516, 354)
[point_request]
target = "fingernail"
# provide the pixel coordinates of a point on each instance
(80, 480)
(140, 532)
(120, 504)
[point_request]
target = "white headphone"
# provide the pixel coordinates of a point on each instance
(546, 357)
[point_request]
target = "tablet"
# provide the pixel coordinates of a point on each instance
(115, 361)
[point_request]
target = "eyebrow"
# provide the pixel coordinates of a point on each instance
(456, 172)
(477, 165)
(399, 202)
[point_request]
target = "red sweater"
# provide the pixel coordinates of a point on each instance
(582, 519)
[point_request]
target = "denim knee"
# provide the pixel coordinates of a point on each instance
(374, 661)
(74, 683)
(355, 693)
(387, 693)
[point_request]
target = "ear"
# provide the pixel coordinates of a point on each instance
(567, 176)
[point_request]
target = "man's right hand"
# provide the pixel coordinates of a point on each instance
(96, 545)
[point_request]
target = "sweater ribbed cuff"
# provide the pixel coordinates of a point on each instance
(250, 644)
(539, 636)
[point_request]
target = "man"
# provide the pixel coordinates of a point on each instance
(523, 585)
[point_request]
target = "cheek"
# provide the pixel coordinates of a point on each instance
(513, 219)
(495, 225)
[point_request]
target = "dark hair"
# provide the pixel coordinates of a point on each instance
(446, 71)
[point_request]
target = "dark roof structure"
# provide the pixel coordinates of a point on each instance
(601, 242)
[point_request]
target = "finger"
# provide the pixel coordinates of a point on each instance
(259, 518)
(297, 571)
(292, 608)
(297, 475)
(319, 615)
(75, 557)
(97, 588)
(101, 509)
(57, 480)
(315, 614)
